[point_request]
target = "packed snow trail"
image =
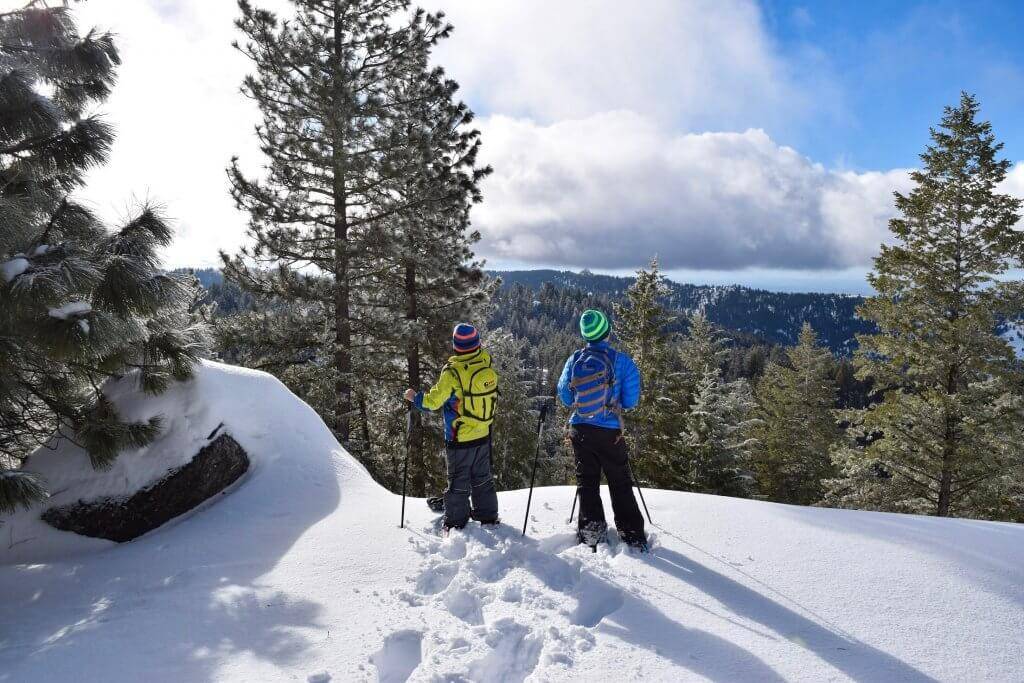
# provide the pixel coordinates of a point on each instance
(300, 572)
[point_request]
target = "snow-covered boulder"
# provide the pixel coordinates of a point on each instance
(275, 433)
(216, 467)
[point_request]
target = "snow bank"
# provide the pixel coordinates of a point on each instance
(301, 573)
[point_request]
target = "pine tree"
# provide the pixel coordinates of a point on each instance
(78, 303)
(701, 349)
(514, 430)
(706, 418)
(640, 325)
(329, 84)
(714, 443)
(797, 429)
(432, 281)
(946, 434)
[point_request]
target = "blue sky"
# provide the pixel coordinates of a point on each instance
(738, 141)
(897, 64)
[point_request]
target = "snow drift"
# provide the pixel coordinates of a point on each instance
(301, 573)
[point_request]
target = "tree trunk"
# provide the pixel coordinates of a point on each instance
(342, 328)
(365, 425)
(949, 439)
(412, 353)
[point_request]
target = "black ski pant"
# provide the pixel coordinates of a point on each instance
(469, 477)
(598, 449)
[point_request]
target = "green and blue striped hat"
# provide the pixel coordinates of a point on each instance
(594, 325)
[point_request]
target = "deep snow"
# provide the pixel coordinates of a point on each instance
(301, 573)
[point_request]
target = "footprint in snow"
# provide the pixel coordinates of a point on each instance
(398, 658)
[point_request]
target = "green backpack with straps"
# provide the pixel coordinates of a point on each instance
(478, 383)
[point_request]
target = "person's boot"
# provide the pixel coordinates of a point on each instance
(635, 540)
(436, 503)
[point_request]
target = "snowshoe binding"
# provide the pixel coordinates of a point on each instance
(436, 504)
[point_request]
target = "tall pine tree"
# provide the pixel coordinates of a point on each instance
(78, 303)
(947, 431)
(427, 276)
(328, 81)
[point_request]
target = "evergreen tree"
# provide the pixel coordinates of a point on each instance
(432, 282)
(707, 418)
(329, 83)
(514, 433)
(701, 349)
(714, 443)
(797, 429)
(78, 303)
(946, 436)
(640, 326)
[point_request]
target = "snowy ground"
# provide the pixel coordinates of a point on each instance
(301, 573)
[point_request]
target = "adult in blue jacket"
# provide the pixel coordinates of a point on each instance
(597, 440)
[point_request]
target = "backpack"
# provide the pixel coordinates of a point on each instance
(478, 383)
(592, 382)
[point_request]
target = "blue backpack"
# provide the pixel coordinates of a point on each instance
(593, 384)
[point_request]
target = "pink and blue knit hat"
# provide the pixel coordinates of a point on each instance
(465, 338)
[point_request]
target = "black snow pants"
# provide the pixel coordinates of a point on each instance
(469, 476)
(598, 449)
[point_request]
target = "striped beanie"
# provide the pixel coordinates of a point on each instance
(594, 325)
(465, 338)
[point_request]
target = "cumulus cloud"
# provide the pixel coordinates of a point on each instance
(693, 65)
(179, 118)
(611, 190)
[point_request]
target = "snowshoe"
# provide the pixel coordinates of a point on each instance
(436, 503)
(591, 534)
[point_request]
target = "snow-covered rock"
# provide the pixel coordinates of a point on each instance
(301, 573)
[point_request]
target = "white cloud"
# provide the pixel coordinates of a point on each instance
(1014, 183)
(179, 118)
(611, 190)
(693, 65)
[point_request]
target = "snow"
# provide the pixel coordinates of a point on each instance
(13, 268)
(70, 310)
(300, 572)
(1013, 333)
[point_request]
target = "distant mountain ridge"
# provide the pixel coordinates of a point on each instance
(775, 317)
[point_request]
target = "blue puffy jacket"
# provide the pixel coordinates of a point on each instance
(626, 388)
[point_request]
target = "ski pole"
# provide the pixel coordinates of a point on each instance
(575, 497)
(405, 470)
(639, 490)
(536, 457)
